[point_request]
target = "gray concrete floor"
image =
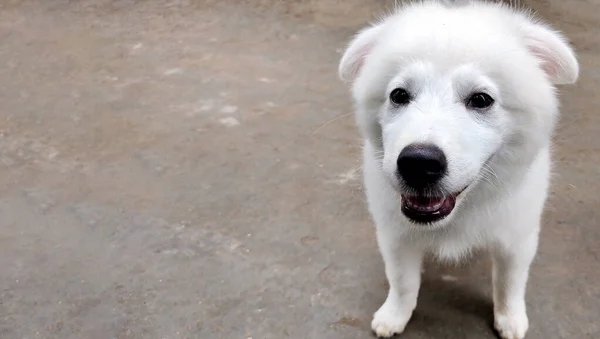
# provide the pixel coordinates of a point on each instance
(187, 169)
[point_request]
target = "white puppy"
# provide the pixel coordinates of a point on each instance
(457, 105)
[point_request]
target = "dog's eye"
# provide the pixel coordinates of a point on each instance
(480, 101)
(400, 96)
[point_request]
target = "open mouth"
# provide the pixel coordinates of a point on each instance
(423, 209)
(426, 210)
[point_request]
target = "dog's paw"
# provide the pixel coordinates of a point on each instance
(389, 320)
(511, 325)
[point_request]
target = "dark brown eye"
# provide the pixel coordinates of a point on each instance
(400, 96)
(480, 101)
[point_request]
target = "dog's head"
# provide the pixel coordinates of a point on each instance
(448, 93)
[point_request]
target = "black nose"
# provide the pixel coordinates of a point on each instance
(421, 165)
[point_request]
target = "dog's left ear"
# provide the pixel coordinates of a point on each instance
(358, 49)
(551, 48)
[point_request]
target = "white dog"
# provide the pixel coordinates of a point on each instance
(457, 105)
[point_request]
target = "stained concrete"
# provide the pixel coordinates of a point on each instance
(190, 169)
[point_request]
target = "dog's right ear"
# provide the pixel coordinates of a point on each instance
(357, 51)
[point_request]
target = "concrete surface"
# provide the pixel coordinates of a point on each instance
(188, 169)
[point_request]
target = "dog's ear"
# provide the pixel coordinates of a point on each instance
(551, 48)
(357, 51)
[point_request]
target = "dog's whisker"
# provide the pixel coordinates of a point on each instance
(331, 121)
(490, 176)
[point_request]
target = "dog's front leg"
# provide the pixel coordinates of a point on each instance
(510, 274)
(403, 271)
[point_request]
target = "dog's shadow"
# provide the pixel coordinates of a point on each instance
(455, 304)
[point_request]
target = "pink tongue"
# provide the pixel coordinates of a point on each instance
(425, 202)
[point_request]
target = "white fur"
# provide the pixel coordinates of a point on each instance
(443, 53)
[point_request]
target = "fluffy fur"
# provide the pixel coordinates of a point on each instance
(443, 53)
